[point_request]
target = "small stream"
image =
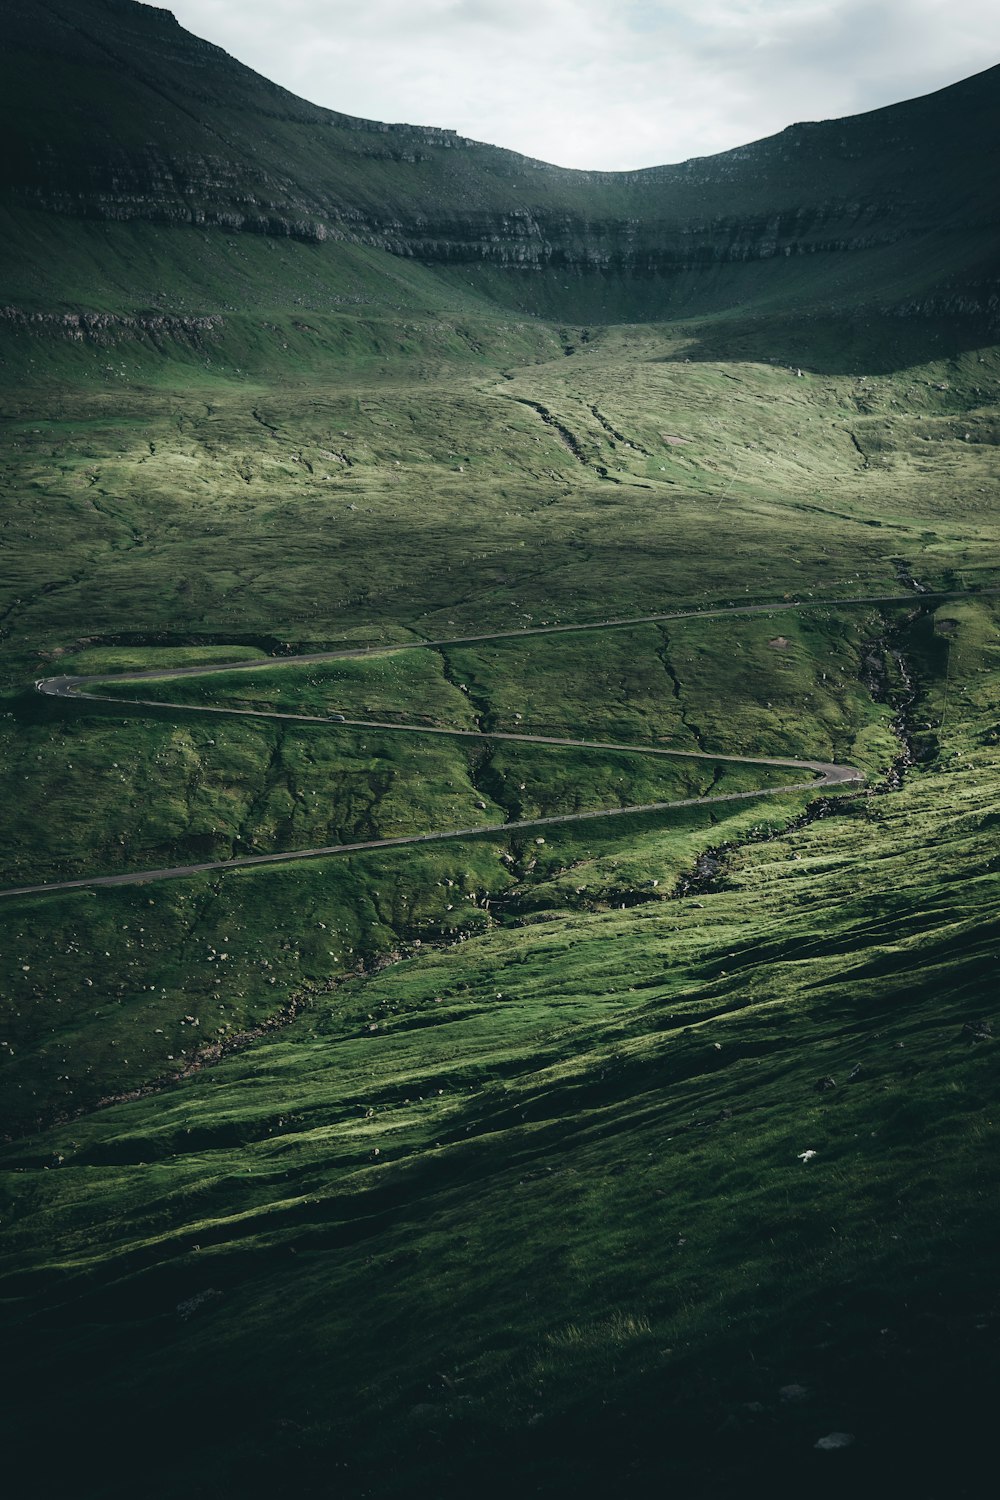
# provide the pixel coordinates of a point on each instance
(710, 868)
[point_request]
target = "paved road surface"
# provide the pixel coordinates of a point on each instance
(822, 773)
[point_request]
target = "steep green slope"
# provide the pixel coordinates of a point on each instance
(477, 1167)
(531, 1208)
(147, 123)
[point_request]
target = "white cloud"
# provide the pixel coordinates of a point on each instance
(595, 83)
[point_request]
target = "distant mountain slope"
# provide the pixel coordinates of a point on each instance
(112, 112)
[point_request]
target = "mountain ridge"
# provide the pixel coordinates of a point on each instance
(155, 125)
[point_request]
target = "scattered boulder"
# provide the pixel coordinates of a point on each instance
(793, 1392)
(824, 1085)
(977, 1031)
(835, 1440)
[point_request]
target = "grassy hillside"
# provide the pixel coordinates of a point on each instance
(114, 115)
(487, 1165)
(545, 1181)
(531, 1255)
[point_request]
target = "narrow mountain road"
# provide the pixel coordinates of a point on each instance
(822, 773)
(162, 674)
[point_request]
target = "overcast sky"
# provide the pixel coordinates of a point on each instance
(604, 83)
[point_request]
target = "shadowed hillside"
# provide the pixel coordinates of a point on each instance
(443, 1054)
(145, 123)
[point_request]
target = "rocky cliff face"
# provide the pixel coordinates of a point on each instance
(146, 122)
(108, 327)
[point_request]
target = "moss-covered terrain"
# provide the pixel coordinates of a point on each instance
(631, 1155)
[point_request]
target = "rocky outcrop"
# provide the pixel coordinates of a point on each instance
(151, 123)
(108, 328)
(976, 303)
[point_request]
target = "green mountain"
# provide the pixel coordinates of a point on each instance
(465, 1027)
(114, 114)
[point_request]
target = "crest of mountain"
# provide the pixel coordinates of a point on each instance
(114, 113)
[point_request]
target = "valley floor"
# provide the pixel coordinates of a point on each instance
(646, 1151)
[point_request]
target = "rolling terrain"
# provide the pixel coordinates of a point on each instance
(614, 1110)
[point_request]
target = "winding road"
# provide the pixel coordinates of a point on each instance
(821, 773)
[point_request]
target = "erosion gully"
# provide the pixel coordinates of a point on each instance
(710, 869)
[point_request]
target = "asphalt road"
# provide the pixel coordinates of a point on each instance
(255, 664)
(821, 773)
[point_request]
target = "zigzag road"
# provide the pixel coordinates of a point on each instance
(822, 773)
